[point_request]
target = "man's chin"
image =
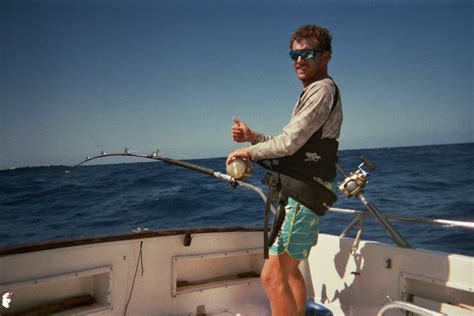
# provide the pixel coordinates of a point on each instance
(305, 79)
(301, 76)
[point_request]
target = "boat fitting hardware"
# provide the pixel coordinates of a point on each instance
(140, 230)
(187, 240)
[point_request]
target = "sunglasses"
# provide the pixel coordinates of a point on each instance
(305, 54)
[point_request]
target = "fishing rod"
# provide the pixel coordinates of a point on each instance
(233, 182)
(238, 168)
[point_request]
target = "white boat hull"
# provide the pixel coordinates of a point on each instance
(179, 279)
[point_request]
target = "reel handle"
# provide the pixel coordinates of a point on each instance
(368, 163)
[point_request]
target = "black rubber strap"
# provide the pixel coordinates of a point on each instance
(277, 222)
(266, 216)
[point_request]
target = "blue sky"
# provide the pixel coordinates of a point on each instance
(78, 77)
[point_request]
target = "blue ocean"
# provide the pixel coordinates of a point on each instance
(58, 202)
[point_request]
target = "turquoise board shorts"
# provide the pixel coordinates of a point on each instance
(299, 232)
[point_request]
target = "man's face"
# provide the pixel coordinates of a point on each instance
(308, 70)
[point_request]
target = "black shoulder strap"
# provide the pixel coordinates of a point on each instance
(336, 98)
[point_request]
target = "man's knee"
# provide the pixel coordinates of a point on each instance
(276, 270)
(271, 277)
(274, 286)
(267, 278)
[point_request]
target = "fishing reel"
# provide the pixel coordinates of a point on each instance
(355, 182)
(239, 168)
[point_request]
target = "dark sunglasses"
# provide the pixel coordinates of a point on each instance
(304, 53)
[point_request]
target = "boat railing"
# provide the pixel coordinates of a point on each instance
(361, 214)
(353, 185)
(409, 307)
(426, 220)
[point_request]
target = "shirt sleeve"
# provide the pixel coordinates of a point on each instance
(260, 138)
(309, 116)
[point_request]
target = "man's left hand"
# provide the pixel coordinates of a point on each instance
(239, 153)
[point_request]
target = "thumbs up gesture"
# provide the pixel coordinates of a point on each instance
(241, 132)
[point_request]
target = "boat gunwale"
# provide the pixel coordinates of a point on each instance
(80, 241)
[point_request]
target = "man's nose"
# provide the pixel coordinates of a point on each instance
(299, 60)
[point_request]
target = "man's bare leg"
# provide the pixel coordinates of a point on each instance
(275, 279)
(298, 288)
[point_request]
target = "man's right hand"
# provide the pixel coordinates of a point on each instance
(241, 132)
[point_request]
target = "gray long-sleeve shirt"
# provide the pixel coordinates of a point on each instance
(312, 110)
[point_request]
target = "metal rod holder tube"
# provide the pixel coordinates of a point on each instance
(400, 241)
(352, 224)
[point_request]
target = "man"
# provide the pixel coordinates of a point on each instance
(315, 122)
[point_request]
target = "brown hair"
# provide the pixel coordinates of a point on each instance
(322, 35)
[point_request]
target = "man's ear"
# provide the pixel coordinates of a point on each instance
(325, 57)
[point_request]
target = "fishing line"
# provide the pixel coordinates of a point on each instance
(140, 259)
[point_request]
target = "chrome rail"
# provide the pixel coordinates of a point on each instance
(410, 307)
(443, 222)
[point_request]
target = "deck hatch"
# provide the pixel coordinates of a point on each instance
(206, 271)
(436, 294)
(36, 293)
